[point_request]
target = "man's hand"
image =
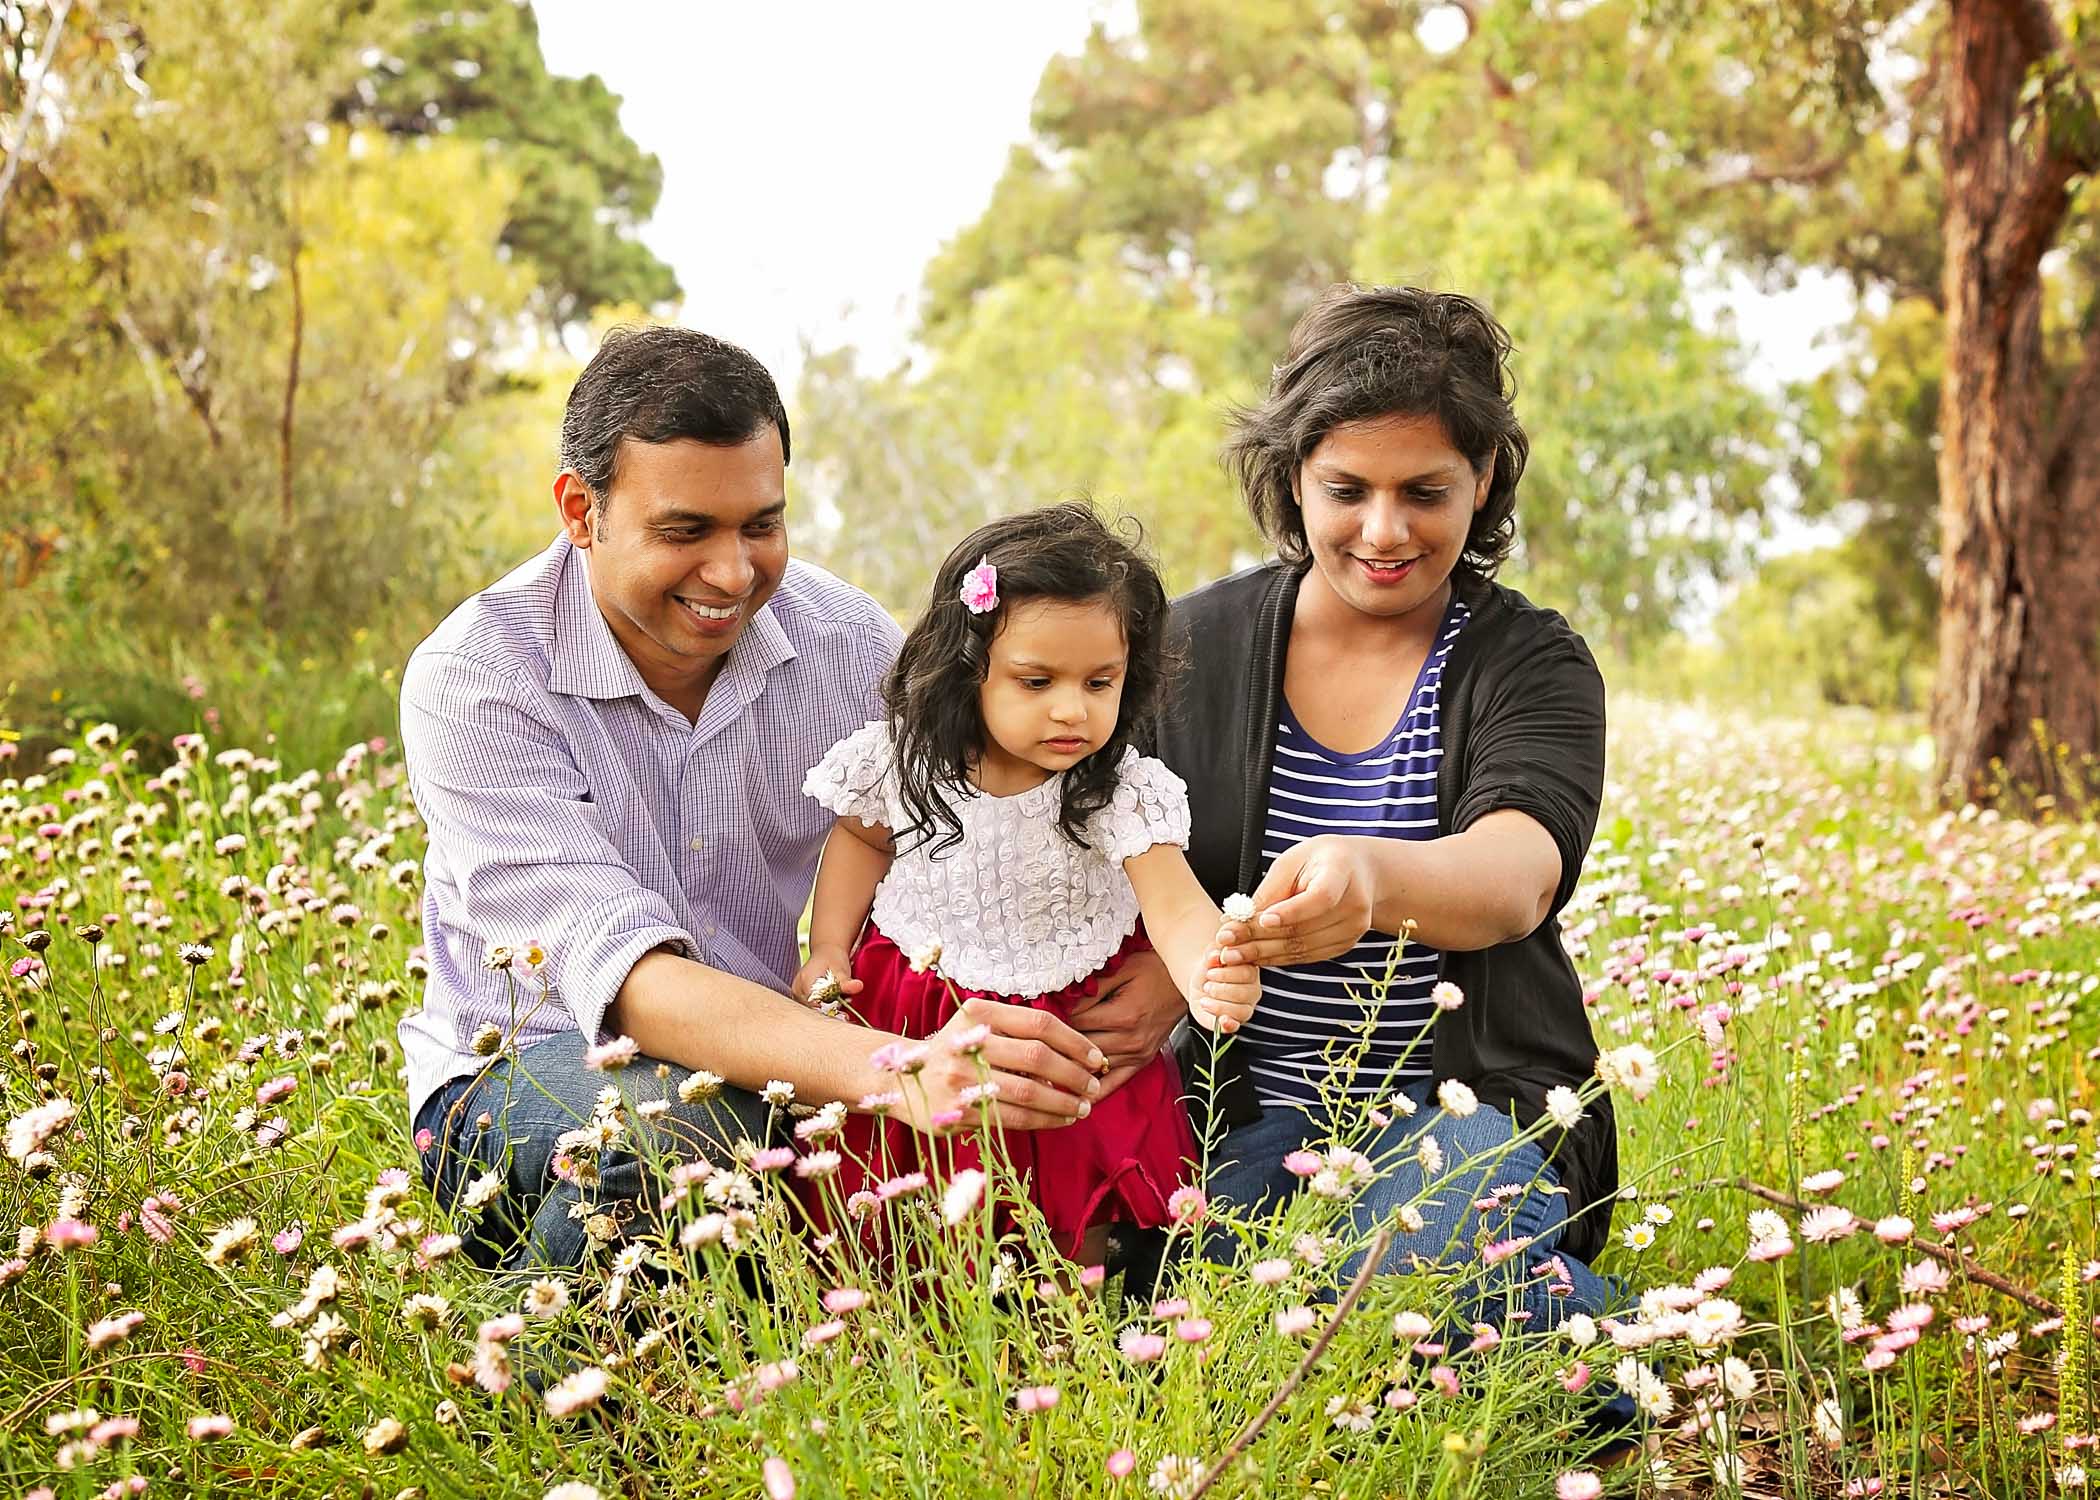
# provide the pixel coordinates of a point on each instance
(1131, 1016)
(1042, 1073)
(1315, 903)
(826, 960)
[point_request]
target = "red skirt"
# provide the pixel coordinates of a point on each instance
(1118, 1165)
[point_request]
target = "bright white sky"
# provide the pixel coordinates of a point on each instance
(817, 153)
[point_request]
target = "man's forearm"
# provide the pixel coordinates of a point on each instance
(698, 1017)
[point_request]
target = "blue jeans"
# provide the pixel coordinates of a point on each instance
(1247, 1170)
(529, 1101)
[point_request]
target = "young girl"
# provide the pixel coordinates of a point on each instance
(1000, 815)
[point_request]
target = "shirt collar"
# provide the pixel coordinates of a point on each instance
(586, 660)
(763, 646)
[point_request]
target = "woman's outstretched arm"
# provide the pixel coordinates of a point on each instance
(1492, 884)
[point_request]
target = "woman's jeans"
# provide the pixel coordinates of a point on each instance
(1248, 1171)
(529, 1102)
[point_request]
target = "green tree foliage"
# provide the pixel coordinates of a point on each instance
(1075, 377)
(263, 377)
(1876, 412)
(1943, 156)
(1557, 158)
(1202, 143)
(1648, 450)
(584, 188)
(1808, 631)
(1208, 174)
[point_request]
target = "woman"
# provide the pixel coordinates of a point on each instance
(1379, 736)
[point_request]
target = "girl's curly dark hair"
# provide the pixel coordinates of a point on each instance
(1363, 352)
(1063, 552)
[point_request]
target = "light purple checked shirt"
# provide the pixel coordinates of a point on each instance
(568, 803)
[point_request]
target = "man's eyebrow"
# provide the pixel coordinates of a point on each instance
(703, 518)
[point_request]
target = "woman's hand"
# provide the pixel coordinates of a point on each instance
(826, 960)
(1315, 903)
(1042, 1073)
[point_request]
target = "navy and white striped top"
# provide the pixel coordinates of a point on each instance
(1312, 1014)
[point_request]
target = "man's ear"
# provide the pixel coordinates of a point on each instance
(577, 506)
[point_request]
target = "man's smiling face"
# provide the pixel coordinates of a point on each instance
(686, 546)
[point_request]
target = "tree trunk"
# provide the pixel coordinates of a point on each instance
(2019, 650)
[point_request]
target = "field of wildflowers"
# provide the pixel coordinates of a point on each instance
(1852, 1039)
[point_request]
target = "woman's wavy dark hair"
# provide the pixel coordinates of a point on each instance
(1063, 552)
(1364, 352)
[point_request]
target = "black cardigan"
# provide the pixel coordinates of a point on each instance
(1523, 728)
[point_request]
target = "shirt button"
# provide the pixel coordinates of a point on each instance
(697, 845)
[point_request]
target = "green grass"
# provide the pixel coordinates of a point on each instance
(1911, 1006)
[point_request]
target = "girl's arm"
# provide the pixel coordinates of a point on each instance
(1183, 923)
(856, 857)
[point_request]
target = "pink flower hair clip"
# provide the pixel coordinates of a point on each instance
(980, 588)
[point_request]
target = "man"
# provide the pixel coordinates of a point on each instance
(608, 747)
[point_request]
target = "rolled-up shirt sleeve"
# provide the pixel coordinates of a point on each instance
(516, 836)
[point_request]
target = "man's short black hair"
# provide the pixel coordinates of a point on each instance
(658, 384)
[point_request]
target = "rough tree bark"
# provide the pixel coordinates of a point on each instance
(2019, 488)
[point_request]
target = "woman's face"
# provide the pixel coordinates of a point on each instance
(1387, 502)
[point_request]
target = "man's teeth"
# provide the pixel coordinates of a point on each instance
(705, 612)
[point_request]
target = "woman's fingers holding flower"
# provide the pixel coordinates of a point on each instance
(1315, 903)
(1313, 881)
(1303, 944)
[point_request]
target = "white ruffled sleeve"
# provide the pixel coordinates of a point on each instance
(852, 778)
(1151, 806)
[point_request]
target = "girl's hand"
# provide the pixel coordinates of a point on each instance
(1224, 995)
(822, 961)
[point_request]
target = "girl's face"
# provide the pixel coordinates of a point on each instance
(1052, 692)
(1387, 504)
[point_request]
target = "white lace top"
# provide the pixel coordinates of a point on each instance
(1017, 907)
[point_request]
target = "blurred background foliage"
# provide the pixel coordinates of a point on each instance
(294, 291)
(1600, 175)
(282, 362)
